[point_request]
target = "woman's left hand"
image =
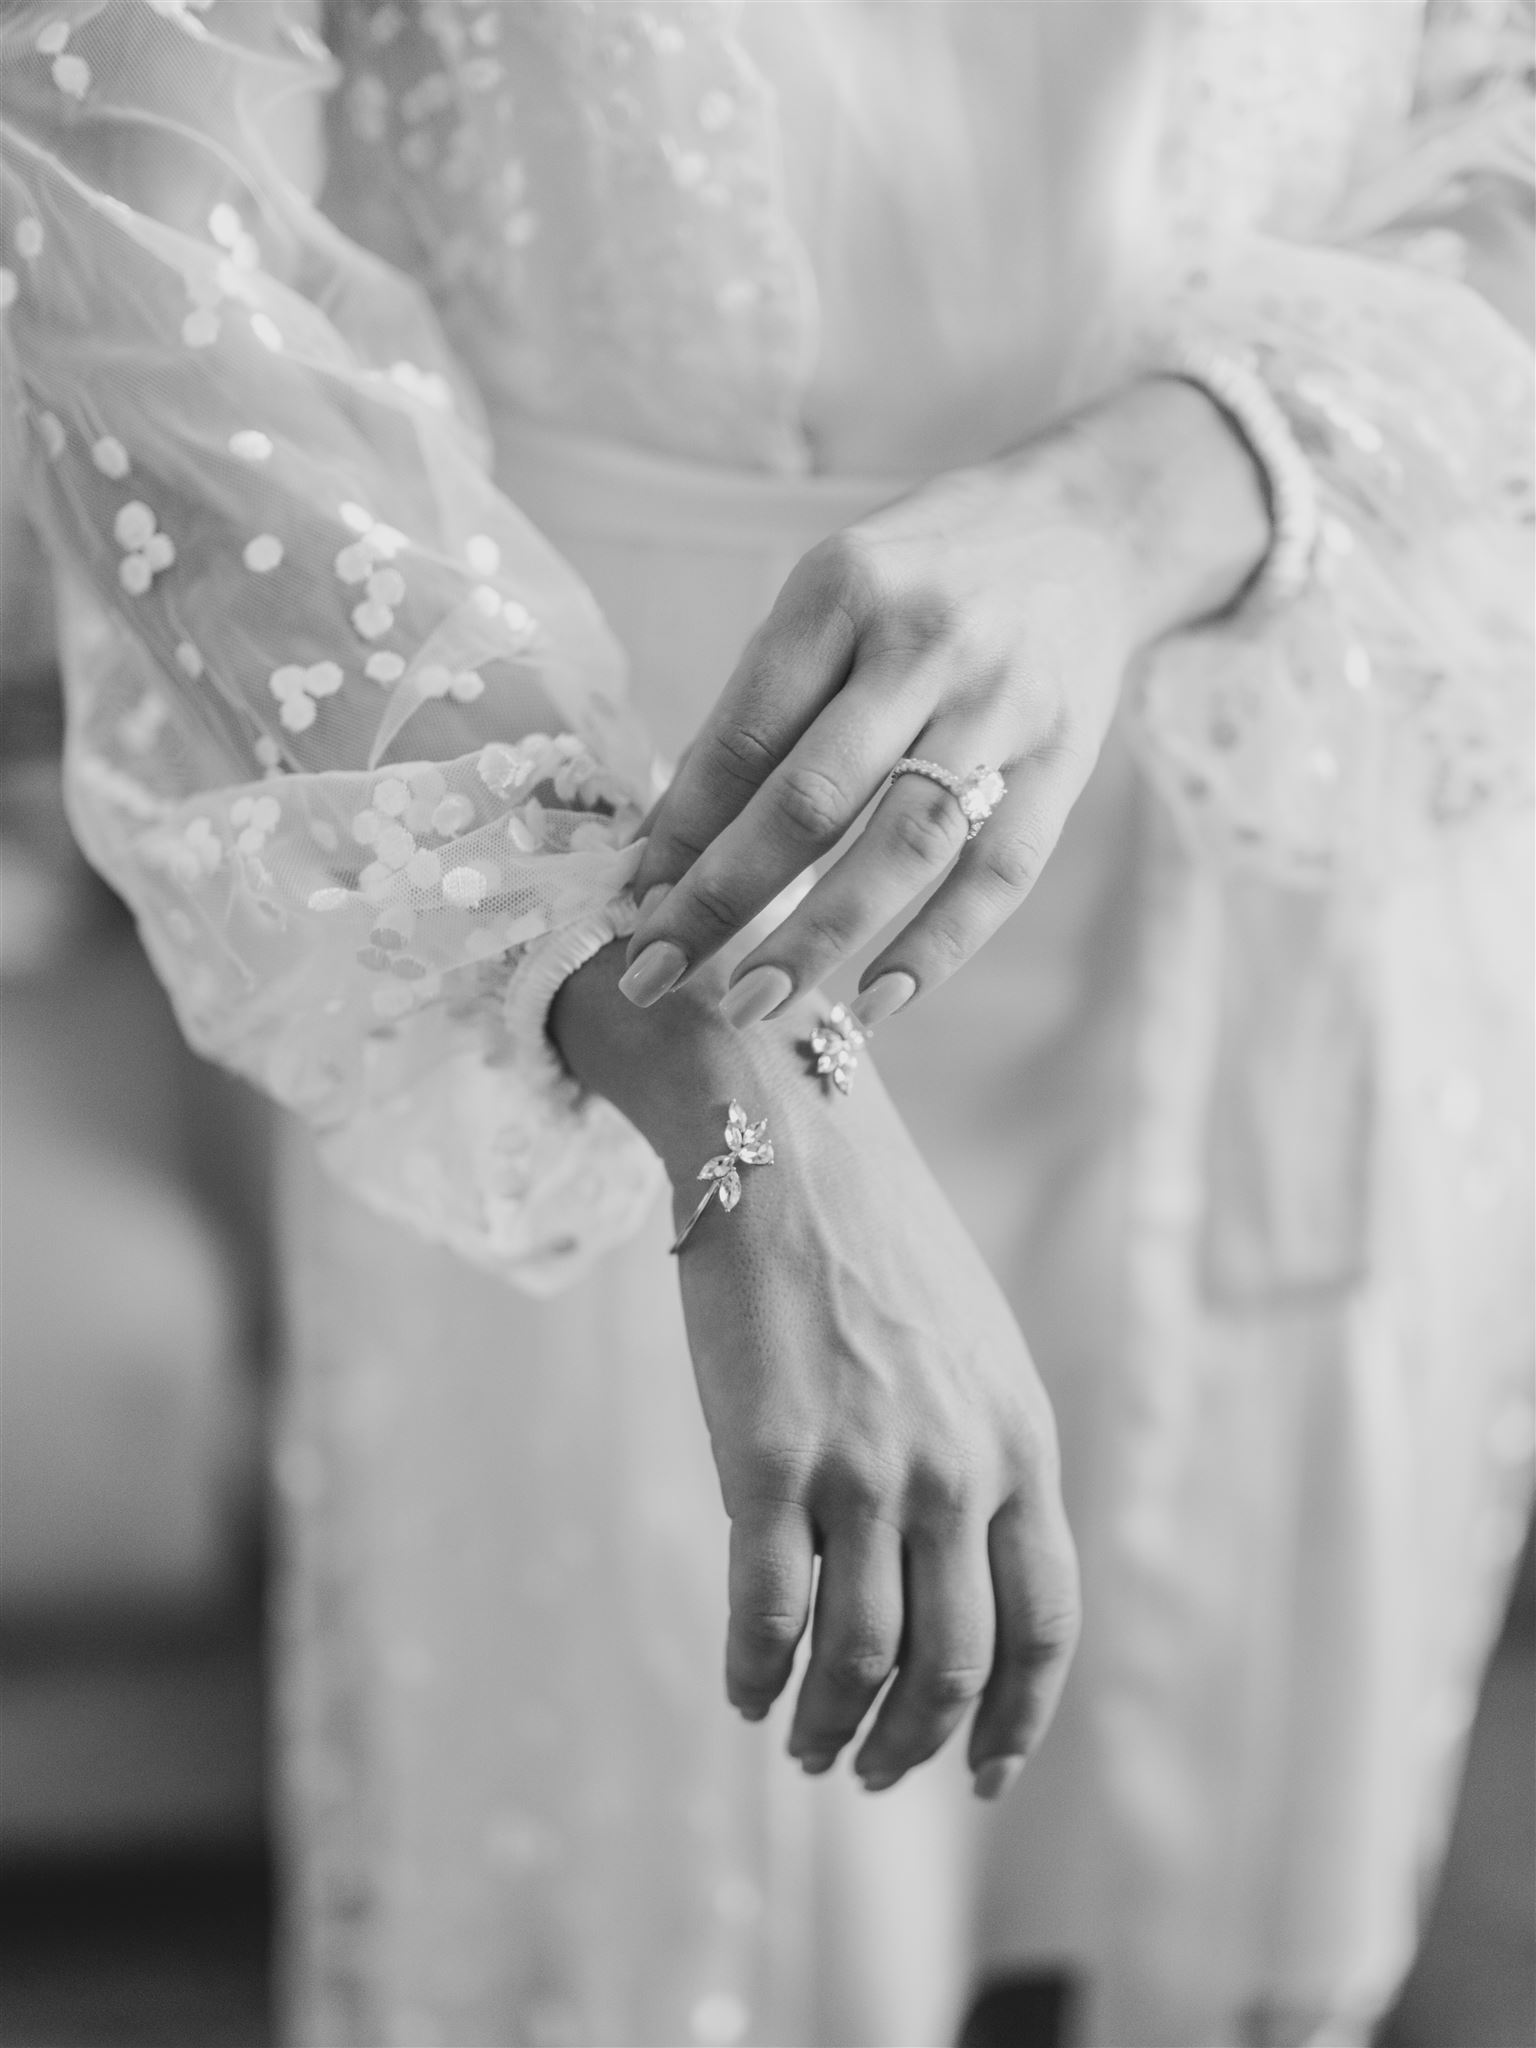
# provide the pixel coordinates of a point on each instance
(985, 619)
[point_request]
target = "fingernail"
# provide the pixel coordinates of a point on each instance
(657, 893)
(816, 1762)
(993, 1778)
(660, 967)
(881, 1781)
(760, 990)
(753, 1713)
(883, 998)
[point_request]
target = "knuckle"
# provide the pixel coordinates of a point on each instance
(812, 805)
(1058, 1626)
(948, 943)
(940, 1497)
(713, 906)
(920, 619)
(777, 1473)
(860, 1667)
(765, 1632)
(847, 566)
(1030, 1429)
(881, 589)
(853, 1488)
(1049, 1634)
(831, 929)
(1013, 861)
(672, 850)
(744, 754)
(927, 827)
(949, 1687)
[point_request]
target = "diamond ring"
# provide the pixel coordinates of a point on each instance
(978, 794)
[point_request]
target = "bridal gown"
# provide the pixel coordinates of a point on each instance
(420, 419)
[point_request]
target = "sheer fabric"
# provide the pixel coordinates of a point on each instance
(298, 565)
(1261, 1190)
(343, 729)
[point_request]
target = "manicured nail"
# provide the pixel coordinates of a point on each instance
(816, 1762)
(993, 1778)
(881, 1781)
(660, 967)
(749, 1000)
(753, 1713)
(883, 998)
(657, 893)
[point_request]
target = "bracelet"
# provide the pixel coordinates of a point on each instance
(547, 964)
(1233, 383)
(833, 1047)
(747, 1145)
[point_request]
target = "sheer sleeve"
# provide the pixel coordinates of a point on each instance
(1391, 700)
(345, 732)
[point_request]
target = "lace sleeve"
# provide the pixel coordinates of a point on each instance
(342, 728)
(1391, 699)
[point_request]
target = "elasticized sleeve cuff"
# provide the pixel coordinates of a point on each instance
(545, 967)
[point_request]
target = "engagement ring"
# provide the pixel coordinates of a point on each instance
(978, 794)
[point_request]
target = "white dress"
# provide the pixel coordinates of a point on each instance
(1237, 1108)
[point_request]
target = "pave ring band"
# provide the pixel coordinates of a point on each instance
(978, 794)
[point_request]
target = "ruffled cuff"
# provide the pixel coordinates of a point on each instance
(510, 1163)
(542, 971)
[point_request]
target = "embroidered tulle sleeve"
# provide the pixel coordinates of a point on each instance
(1392, 697)
(342, 728)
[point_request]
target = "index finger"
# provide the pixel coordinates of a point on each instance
(792, 666)
(806, 806)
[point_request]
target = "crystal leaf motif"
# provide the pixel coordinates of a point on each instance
(750, 1146)
(835, 1046)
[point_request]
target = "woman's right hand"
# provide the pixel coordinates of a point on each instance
(868, 1395)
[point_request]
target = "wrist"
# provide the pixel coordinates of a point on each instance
(674, 1068)
(1163, 472)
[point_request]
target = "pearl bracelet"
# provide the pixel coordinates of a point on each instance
(1233, 383)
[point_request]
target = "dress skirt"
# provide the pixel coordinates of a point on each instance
(515, 1807)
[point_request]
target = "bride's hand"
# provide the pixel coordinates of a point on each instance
(869, 1399)
(987, 618)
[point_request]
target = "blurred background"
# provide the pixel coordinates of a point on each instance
(137, 1337)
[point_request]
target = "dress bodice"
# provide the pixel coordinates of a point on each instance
(664, 225)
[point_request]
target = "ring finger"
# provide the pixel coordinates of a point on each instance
(913, 835)
(799, 814)
(982, 890)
